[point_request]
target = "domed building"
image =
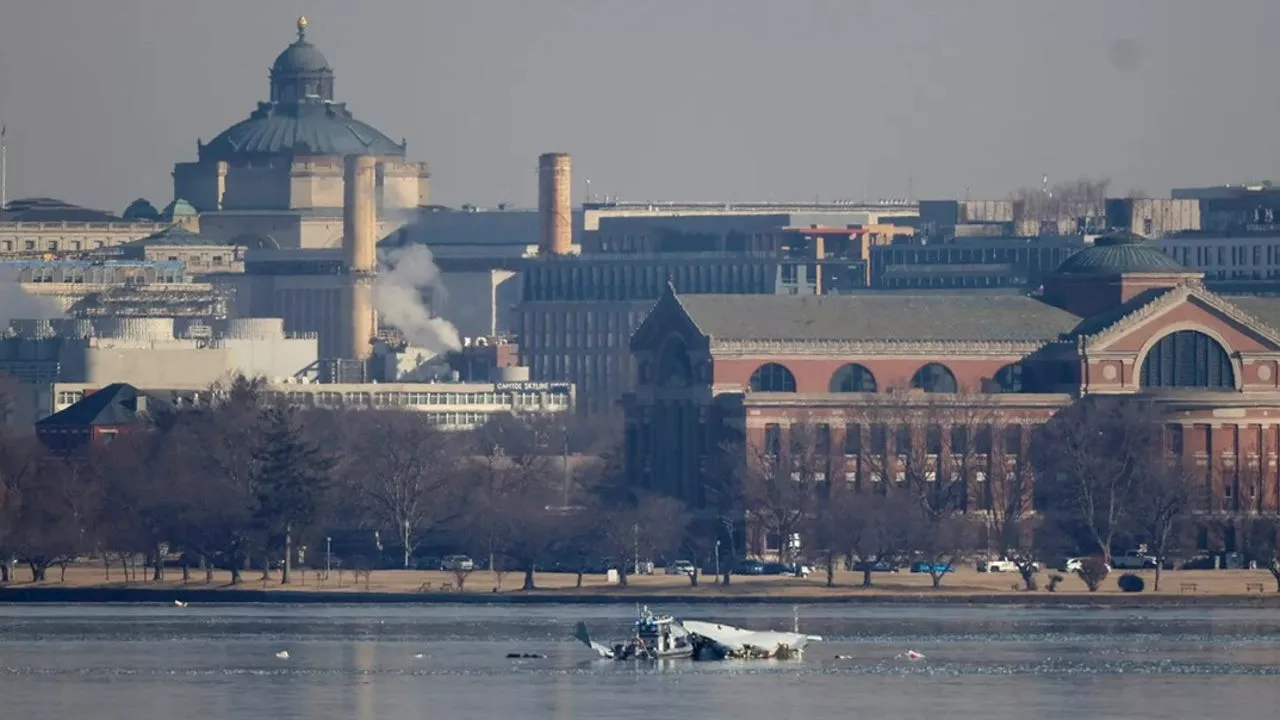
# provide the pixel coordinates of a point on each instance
(277, 175)
(1118, 318)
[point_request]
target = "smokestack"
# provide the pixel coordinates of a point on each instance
(555, 204)
(360, 253)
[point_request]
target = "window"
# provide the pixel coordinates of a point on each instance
(772, 440)
(853, 378)
(772, 377)
(853, 439)
(934, 378)
(1175, 439)
(1187, 359)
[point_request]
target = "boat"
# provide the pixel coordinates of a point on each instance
(654, 637)
(658, 637)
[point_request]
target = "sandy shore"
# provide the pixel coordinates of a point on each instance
(91, 584)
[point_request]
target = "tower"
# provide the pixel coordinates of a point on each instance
(359, 253)
(555, 204)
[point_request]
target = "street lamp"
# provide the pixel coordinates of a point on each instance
(328, 556)
(717, 558)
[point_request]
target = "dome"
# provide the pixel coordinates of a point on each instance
(300, 129)
(179, 208)
(301, 117)
(1121, 254)
(301, 56)
(141, 209)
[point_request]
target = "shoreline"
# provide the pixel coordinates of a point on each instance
(234, 596)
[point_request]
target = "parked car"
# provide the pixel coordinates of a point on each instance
(749, 567)
(1073, 564)
(457, 563)
(1003, 564)
(875, 566)
(921, 566)
(680, 567)
(1134, 560)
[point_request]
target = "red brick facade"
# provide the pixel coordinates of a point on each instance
(1221, 405)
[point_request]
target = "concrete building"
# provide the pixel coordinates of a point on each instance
(970, 262)
(34, 227)
(276, 178)
(450, 406)
(1120, 318)
(1235, 208)
(153, 350)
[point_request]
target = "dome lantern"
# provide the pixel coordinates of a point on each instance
(301, 73)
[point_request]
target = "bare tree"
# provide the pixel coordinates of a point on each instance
(405, 481)
(1091, 454)
(779, 481)
(1082, 197)
(1261, 538)
(928, 446)
(1012, 521)
(641, 527)
(878, 529)
(1161, 504)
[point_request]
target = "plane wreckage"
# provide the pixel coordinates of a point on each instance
(661, 637)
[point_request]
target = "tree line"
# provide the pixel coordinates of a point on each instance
(243, 483)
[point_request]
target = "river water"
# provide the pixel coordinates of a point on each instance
(448, 661)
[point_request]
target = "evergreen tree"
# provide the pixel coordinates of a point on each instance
(292, 481)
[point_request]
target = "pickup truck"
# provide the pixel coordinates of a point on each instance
(1133, 560)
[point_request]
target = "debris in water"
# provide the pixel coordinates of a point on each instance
(283, 654)
(525, 656)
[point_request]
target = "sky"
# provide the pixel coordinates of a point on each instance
(729, 100)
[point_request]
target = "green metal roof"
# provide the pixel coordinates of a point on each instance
(1121, 254)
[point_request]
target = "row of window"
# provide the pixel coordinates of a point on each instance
(1181, 359)
(959, 440)
(931, 378)
(51, 245)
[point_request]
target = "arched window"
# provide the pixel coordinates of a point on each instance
(1187, 359)
(1009, 378)
(934, 378)
(772, 377)
(853, 378)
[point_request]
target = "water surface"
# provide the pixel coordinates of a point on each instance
(360, 662)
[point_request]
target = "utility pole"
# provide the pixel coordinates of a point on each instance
(4, 171)
(328, 556)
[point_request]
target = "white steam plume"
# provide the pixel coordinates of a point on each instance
(18, 304)
(405, 276)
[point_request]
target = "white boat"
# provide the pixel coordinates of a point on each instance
(655, 637)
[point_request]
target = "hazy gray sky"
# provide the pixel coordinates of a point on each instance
(666, 99)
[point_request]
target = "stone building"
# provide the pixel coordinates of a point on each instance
(1119, 318)
(275, 179)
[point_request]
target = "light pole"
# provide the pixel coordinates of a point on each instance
(328, 556)
(717, 558)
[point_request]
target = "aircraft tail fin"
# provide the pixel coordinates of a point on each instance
(580, 633)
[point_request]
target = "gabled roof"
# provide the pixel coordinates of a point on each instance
(890, 317)
(115, 404)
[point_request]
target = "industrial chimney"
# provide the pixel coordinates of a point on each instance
(360, 254)
(555, 205)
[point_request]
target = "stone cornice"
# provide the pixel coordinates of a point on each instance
(865, 348)
(1175, 296)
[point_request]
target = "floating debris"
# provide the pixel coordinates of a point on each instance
(526, 656)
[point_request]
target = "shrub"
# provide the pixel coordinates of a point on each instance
(1093, 570)
(1129, 582)
(1053, 582)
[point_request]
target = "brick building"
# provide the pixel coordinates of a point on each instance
(1119, 318)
